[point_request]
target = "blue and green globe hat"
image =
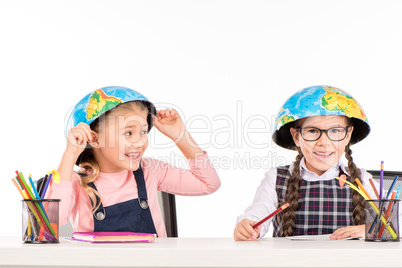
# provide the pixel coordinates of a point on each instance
(319, 100)
(99, 101)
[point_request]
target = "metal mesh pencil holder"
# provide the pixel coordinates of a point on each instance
(382, 226)
(40, 220)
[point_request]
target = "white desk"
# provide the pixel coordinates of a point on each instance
(203, 252)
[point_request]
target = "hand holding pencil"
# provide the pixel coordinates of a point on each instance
(244, 230)
(250, 230)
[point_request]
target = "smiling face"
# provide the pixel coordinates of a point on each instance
(322, 154)
(122, 139)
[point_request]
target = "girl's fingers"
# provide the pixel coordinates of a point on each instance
(80, 136)
(350, 231)
(243, 234)
(240, 237)
(174, 114)
(245, 231)
(249, 228)
(161, 113)
(87, 130)
(258, 230)
(240, 233)
(166, 113)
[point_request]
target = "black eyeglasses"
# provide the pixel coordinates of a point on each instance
(333, 133)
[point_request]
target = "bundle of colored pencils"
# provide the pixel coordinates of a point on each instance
(39, 227)
(383, 217)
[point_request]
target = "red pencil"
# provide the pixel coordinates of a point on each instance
(270, 215)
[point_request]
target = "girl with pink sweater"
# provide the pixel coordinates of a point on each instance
(115, 188)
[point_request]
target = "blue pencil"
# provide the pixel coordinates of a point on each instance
(398, 192)
(46, 186)
(36, 194)
(392, 187)
(33, 187)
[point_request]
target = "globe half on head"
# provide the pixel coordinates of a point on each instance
(99, 101)
(314, 101)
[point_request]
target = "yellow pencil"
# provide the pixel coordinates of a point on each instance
(29, 228)
(389, 228)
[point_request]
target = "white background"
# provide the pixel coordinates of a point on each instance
(227, 66)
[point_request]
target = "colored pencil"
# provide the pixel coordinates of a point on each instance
(36, 206)
(374, 189)
(271, 215)
(390, 230)
(33, 226)
(30, 195)
(33, 187)
(392, 187)
(18, 187)
(46, 186)
(381, 195)
(381, 178)
(390, 205)
(42, 185)
(362, 188)
(398, 191)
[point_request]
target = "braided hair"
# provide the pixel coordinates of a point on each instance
(292, 196)
(293, 193)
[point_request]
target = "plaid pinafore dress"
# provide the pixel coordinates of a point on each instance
(323, 205)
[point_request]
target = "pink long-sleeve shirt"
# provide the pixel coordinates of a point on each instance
(200, 179)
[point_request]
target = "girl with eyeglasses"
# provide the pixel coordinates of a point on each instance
(320, 123)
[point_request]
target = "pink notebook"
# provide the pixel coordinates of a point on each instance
(113, 237)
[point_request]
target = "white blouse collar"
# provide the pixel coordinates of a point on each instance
(328, 175)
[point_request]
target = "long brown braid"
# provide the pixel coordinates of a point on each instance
(292, 196)
(293, 193)
(359, 216)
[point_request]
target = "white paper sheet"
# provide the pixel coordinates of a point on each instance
(315, 237)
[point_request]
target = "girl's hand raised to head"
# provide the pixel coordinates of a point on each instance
(77, 139)
(170, 124)
(244, 231)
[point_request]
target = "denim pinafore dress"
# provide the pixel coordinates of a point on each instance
(130, 216)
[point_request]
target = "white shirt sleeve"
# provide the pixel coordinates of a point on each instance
(265, 202)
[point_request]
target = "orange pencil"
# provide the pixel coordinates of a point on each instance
(271, 215)
(387, 214)
(18, 187)
(362, 188)
(374, 189)
(25, 196)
